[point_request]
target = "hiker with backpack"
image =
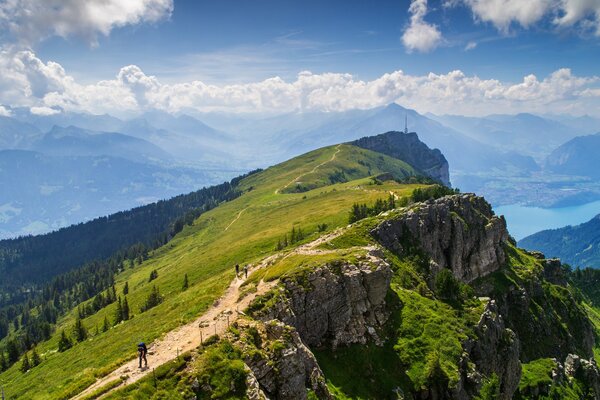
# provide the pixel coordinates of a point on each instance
(237, 270)
(142, 352)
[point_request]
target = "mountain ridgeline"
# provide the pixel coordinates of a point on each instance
(409, 148)
(578, 245)
(365, 280)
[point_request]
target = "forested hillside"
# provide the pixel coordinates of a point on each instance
(577, 245)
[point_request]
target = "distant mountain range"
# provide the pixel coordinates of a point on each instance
(508, 159)
(42, 193)
(578, 245)
(579, 156)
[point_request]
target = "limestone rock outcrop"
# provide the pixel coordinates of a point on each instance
(459, 232)
(494, 351)
(281, 366)
(336, 304)
(408, 148)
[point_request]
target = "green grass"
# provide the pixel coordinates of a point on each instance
(350, 163)
(362, 372)
(428, 330)
(535, 373)
(207, 252)
(169, 381)
(295, 265)
(104, 389)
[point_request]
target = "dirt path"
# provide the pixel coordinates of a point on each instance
(312, 170)
(187, 337)
(214, 321)
(236, 218)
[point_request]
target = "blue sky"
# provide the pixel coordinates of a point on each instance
(260, 39)
(511, 55)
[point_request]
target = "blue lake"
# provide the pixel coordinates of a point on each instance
(523, 221)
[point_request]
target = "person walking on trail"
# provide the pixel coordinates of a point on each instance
(142, 352)
(237, 270)
(246, 270)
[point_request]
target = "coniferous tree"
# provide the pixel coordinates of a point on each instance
(154, 299)
(35, 358)
(64, 343)
(25, 366)
(153, 275)
(126, 289)
(186, 283)
(79, 331)
(12, 351)
(118, 312)
(105, 325)
(125, 309)
(3, 361)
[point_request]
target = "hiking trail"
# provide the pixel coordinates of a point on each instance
(215, 320)
(312, 170)
(235, 219)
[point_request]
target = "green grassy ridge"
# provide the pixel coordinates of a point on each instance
(422, 334)
(350, 163)
(206, 251)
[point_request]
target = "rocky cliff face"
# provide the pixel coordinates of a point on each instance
(458, 232)
(495, 351)
(281, 366)
(336, 304)
(544, 314)
(407, 147)
(527, 317)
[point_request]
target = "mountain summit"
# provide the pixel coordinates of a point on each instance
(408, 147)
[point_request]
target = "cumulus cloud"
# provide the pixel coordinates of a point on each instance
(43, 111)
(30, 21)
(46, 87)
(420, 35)
(4, 112)
(563, 13)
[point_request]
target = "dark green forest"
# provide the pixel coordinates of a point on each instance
(45, 276)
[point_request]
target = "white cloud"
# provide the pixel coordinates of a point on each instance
(4, 112)
(574, 11)
(43, 110)
(420, 35)
(564, 13)
(31, 21)
(470, 46)
(45, 86)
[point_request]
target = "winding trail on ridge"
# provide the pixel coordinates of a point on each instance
(186, 337)
(312, 170)
(236, 218)
(215, 320)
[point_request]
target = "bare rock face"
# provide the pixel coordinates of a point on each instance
(458, 232)
(287, 369)
(495, 351)
(335, 305)
(408, 148)
(585, 370)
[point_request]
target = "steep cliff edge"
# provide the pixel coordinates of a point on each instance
(408, 147)
(374, 323)
(457, 232)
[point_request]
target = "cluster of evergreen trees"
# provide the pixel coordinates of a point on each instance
(29, 261)
(294, 236)
(43, 277)
(360, 211)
